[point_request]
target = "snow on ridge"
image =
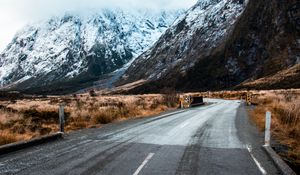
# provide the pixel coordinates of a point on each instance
(48, 46)
(206, 24)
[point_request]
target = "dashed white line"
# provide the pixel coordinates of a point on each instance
(262, 170)
(143, 164)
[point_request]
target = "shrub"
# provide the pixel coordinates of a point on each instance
(42, 116)
(155, 104)
(105, 116)
(170, 97)
(79, 104)
(92, 93)
(141, 103)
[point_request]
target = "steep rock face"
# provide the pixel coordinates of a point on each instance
(74, 50)
(263, 40)
(193, 37)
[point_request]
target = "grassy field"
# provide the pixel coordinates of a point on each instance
(28, 118)
(285, 108)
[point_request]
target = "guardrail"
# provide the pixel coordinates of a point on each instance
(190, 101)
(197, 101)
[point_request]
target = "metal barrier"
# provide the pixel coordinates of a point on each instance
(189, 101)
(197, 101)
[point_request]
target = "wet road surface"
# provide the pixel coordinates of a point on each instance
(212, 139)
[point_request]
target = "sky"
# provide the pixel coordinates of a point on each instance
(14, 14)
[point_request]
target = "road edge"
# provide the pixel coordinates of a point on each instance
(281, 165)
(12, 147)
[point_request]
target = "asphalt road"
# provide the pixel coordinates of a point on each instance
(212, 139)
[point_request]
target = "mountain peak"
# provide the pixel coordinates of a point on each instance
(66, 47)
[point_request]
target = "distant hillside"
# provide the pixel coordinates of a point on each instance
(223, 44)
(289, 78)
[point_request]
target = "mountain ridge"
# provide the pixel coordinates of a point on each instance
(263, 42)
(69, 50)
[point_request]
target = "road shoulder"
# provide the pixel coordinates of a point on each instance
(250, 136)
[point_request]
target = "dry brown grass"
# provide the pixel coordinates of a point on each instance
(6, 138)
(28, 118)
(285, 108)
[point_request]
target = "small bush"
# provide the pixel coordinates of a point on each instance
(54, 101)
(92, 93)
(141, 103)
(170, 97)
(43, 116)
(155, 104)
(105, 116)
(79, 104)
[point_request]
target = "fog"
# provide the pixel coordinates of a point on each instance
(14, 14)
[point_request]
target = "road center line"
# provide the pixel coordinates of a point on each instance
(262, 170)
(150, 155)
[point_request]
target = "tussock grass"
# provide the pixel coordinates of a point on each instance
(6, 138)
(28, 118)
(285, 108)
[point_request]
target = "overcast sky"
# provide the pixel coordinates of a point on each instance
(14, 14)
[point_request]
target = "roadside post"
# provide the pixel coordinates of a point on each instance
(268, 129)
(181, 104)
(181, 101)
(249, 99)
(61, 118)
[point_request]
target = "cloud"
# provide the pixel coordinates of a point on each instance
(16, 13)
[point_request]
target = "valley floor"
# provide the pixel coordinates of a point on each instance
(212, 139)
(28, 118)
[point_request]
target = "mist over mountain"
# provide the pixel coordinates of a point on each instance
(215, 45)
(70, 52)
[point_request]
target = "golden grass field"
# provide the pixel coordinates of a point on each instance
(29, 118)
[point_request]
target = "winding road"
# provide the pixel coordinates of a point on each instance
(217, 138)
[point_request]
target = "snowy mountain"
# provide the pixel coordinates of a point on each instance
(221, 44)
(203, 28)
(73, 51)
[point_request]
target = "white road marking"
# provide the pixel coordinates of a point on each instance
(184, 124)
(143, 164)
(262, 170)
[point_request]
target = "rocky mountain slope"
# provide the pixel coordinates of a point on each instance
(70, 52)
(220, 44)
